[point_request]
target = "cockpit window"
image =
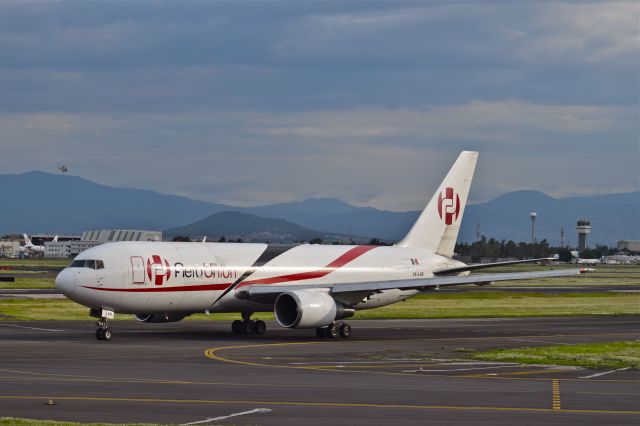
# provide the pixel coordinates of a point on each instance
(87, 263)
(78, 263)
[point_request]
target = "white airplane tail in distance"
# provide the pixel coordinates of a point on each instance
(32, 248)
(305, 285)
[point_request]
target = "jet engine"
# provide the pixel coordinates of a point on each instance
(308, 309)
(161, 317)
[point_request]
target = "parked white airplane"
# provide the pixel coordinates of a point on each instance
(29, 246)
(307, 286)
(589, 261)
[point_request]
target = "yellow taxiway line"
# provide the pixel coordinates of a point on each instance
(213, 353)
(308, 404)
(556, 395)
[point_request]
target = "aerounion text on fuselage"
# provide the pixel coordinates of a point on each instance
(305, 285)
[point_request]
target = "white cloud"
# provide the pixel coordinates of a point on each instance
(499, 121)
(368, 101)
(586, 32)
(368, 156)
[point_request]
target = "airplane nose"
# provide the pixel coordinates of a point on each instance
(66, 281)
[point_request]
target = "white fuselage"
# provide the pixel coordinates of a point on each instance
(589, 261)
(146, 277)
(34, 249)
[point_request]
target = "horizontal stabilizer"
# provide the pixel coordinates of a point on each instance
(458, 269)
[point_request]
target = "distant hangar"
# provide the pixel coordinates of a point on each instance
(94, 238)
(631, 245)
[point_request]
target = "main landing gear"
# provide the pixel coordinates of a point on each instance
(248, 326)
(334, 330)
(103, 332)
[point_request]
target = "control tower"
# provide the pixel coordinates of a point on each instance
(533, 216)
(583, 228)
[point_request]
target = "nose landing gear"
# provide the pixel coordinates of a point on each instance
(103, 332)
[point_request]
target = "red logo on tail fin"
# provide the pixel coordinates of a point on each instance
(449, 205)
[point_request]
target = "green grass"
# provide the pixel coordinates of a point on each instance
(41, 272)
(603, 275)
(29, 282)
(66, 310)
(494, 304)
(12, 421)
(590, 355)
(42, 309)
(32, 262)
(490, 304)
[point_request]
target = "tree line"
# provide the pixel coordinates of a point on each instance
(488, 248)
(494, 249)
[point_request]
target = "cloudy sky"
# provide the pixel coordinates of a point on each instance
(255, 102)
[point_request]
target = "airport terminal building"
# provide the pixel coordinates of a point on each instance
(9, 248)
(631, 245)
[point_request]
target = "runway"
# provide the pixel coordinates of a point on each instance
(391, 371)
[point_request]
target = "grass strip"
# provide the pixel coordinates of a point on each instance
(495, 304)
(14, 421)
(36, 262)
(483, 304)
(589, 355)
(29, 282)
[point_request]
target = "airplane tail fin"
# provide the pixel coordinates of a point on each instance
(55, 239)
(437, 227)
(27, 240)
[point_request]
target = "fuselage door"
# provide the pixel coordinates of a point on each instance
(137, 270)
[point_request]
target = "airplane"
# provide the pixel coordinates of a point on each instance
(29, 246)
(589, 261)
(307, 286)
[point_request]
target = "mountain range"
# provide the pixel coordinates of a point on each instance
(249, 227)
(55, 203)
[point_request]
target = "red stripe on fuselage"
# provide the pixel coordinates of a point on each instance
(347, 257)
(199, 287)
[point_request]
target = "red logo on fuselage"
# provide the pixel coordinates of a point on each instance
(158, 270)
(448, 205)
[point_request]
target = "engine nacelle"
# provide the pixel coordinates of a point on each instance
(308, 309)
(161, 317)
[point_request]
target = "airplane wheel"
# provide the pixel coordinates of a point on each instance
(106, 334)
(345, 331)
(236, 327)
(333, 331)
(321, 332)
(99, 334)
(260, 327)
(248, 327)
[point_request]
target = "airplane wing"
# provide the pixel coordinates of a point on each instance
(449, 271)
(264, 293)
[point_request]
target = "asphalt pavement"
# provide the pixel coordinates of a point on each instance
(390, 371)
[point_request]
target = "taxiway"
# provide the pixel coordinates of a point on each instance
(391, 371)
